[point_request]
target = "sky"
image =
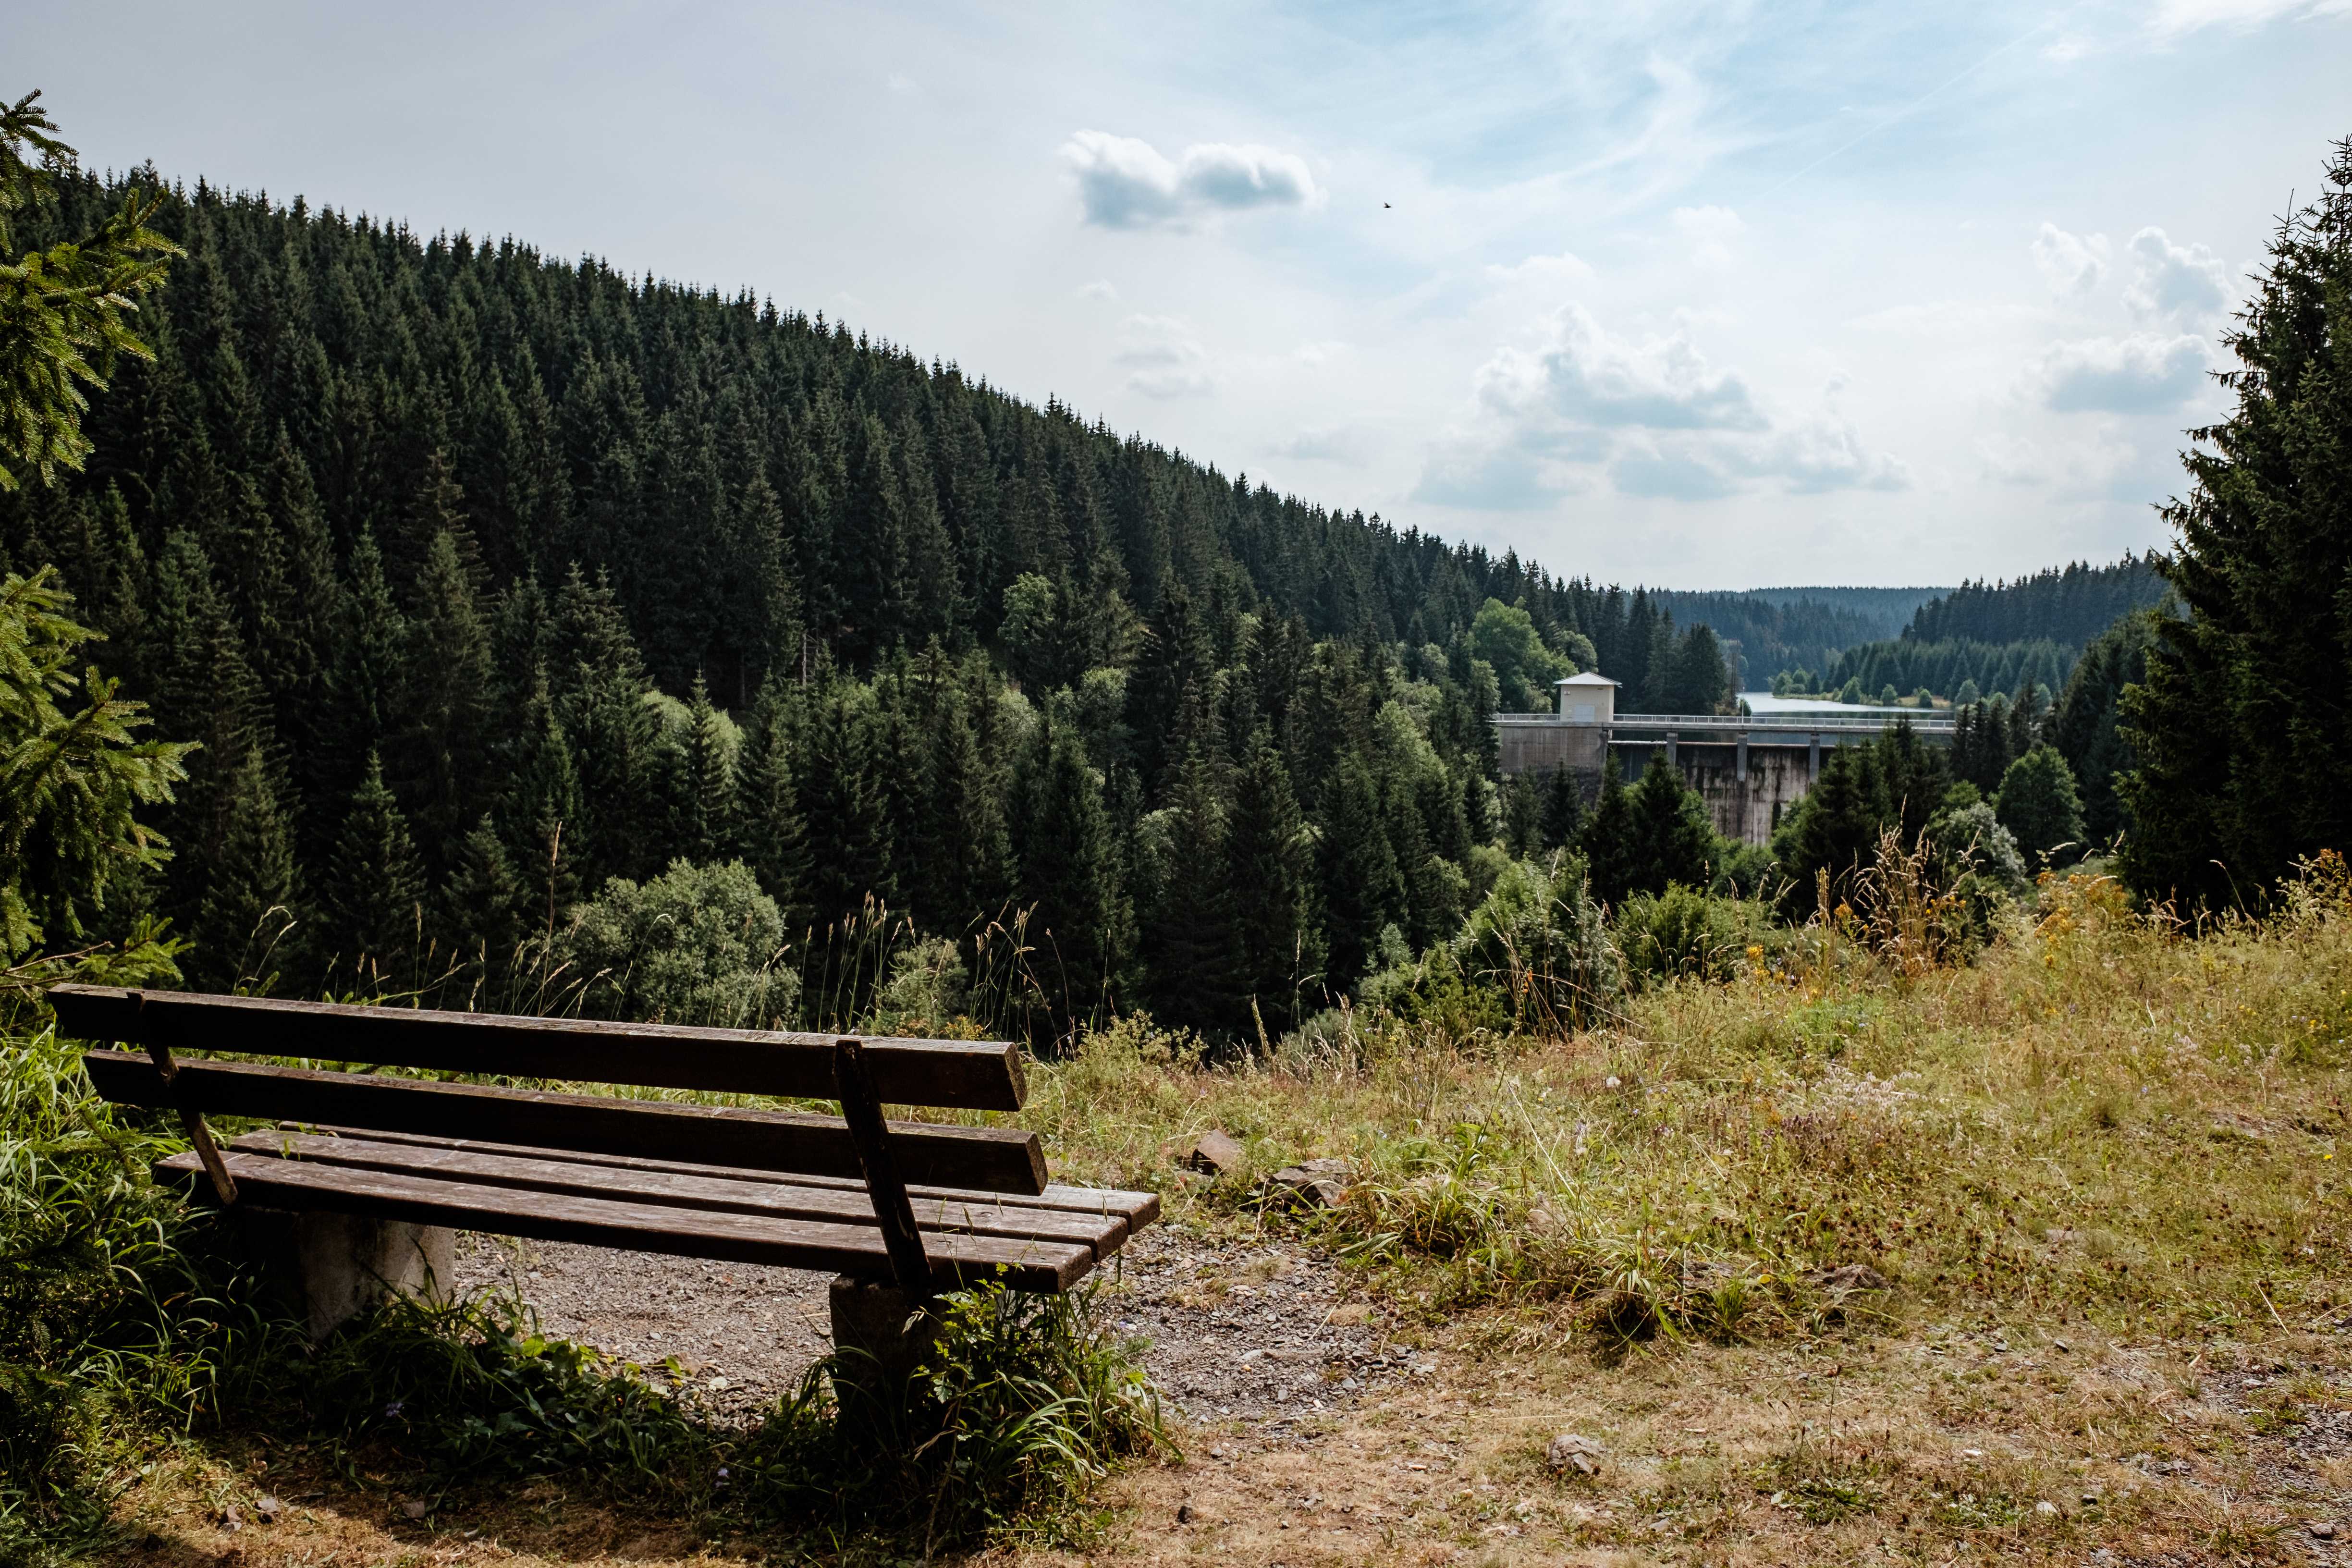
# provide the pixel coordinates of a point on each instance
(1692, 294)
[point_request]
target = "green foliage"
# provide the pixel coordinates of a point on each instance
(1023, 1403)
(373, 899)
(1542, 941)
(2040, 806)
(1642, 838)
(1505, 636)
(698, 944)
(2086, 724)
(1681, 933)
(72, 774)
(2242, 755)
(1082, 922)
(64, 309)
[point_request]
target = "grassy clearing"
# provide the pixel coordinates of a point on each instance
(2104, 1118)
(1823, 1225)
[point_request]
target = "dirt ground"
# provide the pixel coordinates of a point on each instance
(1315, 1433)
(1233, 1330)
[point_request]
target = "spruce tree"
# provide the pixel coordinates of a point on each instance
(702, 823)
(1607, 838)
(542, 815)
(371, 906)
(1670, 838)
(1271, 870)
(447, 680)
(1561, 819)
(849, 854)
(1362, 889)
(483, 902)
(770, 834)
(2244, 725)
(1835, 828)
(1522, 815)
(250, 898)
(1081, 923)
(964, 871)
(366, 707)
(1189, 943)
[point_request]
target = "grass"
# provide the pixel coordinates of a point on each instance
(2107, 1128)
(2104, 1118)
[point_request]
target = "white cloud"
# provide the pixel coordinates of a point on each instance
(1544, 271)
(2072, 264)
(1653, 416)
(2180, 283)
(1124, 183)
(1164, 357)
(2142, 373)
(1583, 375)
(1101, 289)
(1710, 231)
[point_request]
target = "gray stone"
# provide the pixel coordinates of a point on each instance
(1310, 1183)
(1216, 1154)
(323, 1269)
(1573, 1451)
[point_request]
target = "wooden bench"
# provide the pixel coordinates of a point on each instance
(899, 1210)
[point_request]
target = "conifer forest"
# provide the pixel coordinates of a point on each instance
(481, 581)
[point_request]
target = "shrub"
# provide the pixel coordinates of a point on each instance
(1023, 1405)
(698, 944)
(1541, 939)
(1682, 932)
(2039, 804)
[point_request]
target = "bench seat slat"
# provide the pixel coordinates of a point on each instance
(1138, 1209)
(963, 1075)
(268, 1182)
(981, 1215)
(989, 1159)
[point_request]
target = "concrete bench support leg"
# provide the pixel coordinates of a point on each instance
(323, 1269)
(888, 1332)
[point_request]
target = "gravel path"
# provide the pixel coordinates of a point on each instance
(1255, 1332)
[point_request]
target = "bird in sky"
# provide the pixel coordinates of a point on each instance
(1386, 205)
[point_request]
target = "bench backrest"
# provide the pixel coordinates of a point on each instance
(958, 1074)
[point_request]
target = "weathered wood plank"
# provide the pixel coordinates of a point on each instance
(991, 1159)
(964, 1075)
(879, 1163)
(1138, 1209)
(271, 1182)
(979, 1215)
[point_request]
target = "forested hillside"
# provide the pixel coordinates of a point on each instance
(2070, 604)
(483, 580)
(1780, 629)
(1984, 638)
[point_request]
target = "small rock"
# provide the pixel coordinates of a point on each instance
(1311, 1183)
(2046, 1509)
(2322, 1529)
(414, 1507)
(1573, 1451)
(1184, 1513)
(267, 1508)
(2061, 1344)
(2090, 1500)
(1215, 1152)
(232, 1518)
